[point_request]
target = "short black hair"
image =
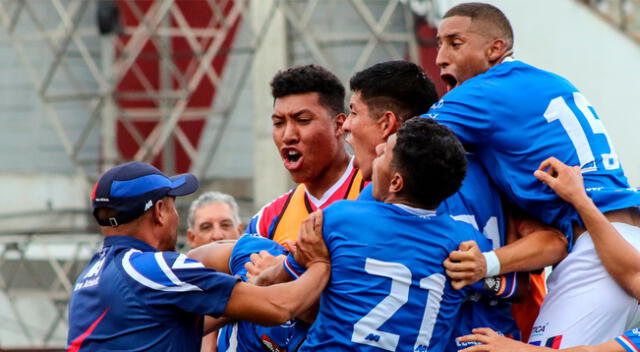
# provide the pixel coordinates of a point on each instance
(431, 160)
(398, 86)
(310, 79)
(484, 12)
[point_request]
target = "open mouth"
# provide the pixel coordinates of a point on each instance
(292, 156)
(449, 80)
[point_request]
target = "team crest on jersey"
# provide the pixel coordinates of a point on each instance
(270, 345)
(636, 332)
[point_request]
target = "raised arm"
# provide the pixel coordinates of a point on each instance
(621, 260)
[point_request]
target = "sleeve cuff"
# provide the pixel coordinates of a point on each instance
(292, 267)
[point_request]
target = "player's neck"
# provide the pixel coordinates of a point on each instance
(395, 198)
(319, 186)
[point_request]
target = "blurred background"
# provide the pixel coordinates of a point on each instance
(184, 84)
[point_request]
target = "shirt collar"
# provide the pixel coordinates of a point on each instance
(423, 213)
(128, 242)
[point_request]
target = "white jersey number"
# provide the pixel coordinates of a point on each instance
(365, 331)
(559, 110)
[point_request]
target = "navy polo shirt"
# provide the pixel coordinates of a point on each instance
(131, 297)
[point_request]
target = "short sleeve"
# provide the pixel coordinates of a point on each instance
(292, 267)
(263, 222)
(630, 340)
(163, 279)
(247, 245)
(252, 227)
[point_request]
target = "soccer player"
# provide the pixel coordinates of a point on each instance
(308, 114)
(388, 288)
(213, 216)
(617, 255)
(137, 294)
(387, 94)
(620, 259)
(513, 116)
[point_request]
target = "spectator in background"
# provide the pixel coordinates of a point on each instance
(213, 216)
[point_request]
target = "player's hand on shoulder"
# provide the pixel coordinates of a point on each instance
(565, 180)
(310, 247)
(466, 265)
(491, 341)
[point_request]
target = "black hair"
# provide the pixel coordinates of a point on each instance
(310, 79)
(485, 12)
(430, 159)
(398, 86)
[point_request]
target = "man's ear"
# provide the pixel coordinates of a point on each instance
(159, 212)
(339, 121)
(497, 50)
(397, 183)
(389, 123)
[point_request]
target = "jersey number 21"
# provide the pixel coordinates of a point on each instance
(365, 331)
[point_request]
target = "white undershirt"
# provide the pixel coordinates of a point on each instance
(319, 202)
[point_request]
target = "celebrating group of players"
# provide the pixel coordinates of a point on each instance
(429, 231)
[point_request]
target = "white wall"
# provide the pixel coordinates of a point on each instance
(43, 203)
(566, 37)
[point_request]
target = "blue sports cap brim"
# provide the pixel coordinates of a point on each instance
(182, 185)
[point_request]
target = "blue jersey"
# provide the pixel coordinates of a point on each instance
(514, 116)
(478, 202)
(244, 336)
(133, 298)
(630, 340)
(388, 290)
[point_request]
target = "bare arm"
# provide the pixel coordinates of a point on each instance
(493, 342)
(214, 255)
(537, 245)
(621, 260)
(212, 324)
(209, 342)
(276, 304)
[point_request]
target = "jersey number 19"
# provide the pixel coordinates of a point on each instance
(559, 110)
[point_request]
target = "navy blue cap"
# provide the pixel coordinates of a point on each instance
(133, 188)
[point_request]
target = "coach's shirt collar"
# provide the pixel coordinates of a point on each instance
(128, 242)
